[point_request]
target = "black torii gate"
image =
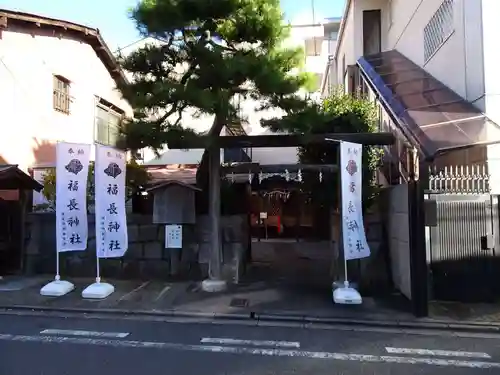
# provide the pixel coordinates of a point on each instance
(213, 144)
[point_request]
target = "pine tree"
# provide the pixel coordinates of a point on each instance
(208, 53)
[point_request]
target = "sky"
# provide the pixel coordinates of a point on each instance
(110, 16)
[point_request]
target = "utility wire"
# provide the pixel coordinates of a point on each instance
(314, 23)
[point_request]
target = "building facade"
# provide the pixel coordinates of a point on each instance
(319, 41)
(431, 66)
(58, 83)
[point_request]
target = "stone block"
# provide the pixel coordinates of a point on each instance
(91, 245)
(161, 233)
(111, 268)
(33, 247)
(139, 219)
(204, 253)
(166, 253)
(175, 261)
(135, 251)
(91, 231)
(154, 269)
(131, 269)
(148, 233)
(190, 253)
(203, 235)
(32, 264)
(79, 267)
(153, 250)
(133, 232)
(189, 234)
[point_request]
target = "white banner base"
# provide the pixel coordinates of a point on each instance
(57, 288)
(213, 286)
(345, 295)
(98, 290)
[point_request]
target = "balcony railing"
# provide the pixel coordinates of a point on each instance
(395, 161)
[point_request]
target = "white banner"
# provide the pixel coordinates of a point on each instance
(110, 214)
(353, 229)
(72, 168)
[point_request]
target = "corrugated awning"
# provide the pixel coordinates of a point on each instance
(437, 117)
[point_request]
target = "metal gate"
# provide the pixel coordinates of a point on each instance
(463, 245)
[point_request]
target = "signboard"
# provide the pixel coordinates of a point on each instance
(72, 169)
(110, 213)
(353, 231)
(173, 236)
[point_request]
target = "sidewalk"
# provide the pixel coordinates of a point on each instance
(255, 301)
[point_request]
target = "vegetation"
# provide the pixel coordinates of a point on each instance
(208, 56)
(136, 178)
(338, 113)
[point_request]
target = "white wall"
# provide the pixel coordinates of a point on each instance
(458, 62)
(346, 46)
(490, 10)
(27, 66)
(490, 35)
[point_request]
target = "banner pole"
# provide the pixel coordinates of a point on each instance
(98, 271)
(341, 213)
(109, 164)
(58, 275)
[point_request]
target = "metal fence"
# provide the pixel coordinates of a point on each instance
(460, 180)
(463, 239)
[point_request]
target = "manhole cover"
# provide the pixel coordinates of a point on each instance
(239, 302)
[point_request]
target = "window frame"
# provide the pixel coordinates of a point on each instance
(312, 46)
(61, 94)
(110, 110)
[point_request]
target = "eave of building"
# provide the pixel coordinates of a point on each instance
(86, 34)
(345, 16)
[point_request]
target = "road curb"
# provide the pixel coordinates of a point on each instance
(429, 324)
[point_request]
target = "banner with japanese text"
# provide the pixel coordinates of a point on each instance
(353, 231)
(72, 168)
(110, 213)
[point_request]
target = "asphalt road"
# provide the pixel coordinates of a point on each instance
(77, 345)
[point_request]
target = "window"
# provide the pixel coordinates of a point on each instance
(344, 71)
(313, 46)
(107, 123)
(439, 28)
(390, 12)
(61, 97)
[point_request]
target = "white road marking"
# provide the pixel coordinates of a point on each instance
(162, 293)
(127, 295)
(250, 351)
(228, 341)
(442, 353)
(70, 332)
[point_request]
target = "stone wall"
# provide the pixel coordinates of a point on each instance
(372, 273)
(399, 238)
(146, 256)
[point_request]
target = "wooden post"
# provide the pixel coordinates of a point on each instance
(23, 202)
(214, 213)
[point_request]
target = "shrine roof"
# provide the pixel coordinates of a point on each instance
(12, 178)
